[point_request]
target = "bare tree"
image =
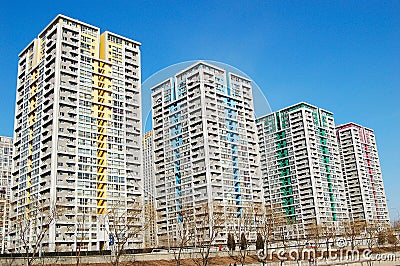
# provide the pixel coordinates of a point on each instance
(352, 230)
(300, 245)
(184, 233)
(391, 237)
(396, 231)
(245, 225)
(209, 224)
(396, 225)
(122, 223)
(80, 236)
(329, 233)
(316, 235)
(386, 234)
(381, 238)
(281, 233)
(265, 223)
(80, 231)
(32, 228)
(150, 218)
(372, 230)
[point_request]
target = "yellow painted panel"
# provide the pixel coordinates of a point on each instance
(103, 45)
(101, 211)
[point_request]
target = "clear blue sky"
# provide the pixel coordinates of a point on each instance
(343, 56)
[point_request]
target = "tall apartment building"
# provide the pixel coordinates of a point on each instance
(6, 148)
(4, 224)
(301, 166)
(150, 233)
(362, 173)
(205, 147)
(77, 135)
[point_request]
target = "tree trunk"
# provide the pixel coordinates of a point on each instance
(78, 256)
(327, 250)
(117, 254)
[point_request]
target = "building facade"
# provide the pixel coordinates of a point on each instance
(6, 147)
(362, 173)
(4, 224)
(205, 148)
(77, 136)
(150, 235)
(301, 166)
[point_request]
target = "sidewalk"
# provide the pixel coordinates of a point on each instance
(388, 259)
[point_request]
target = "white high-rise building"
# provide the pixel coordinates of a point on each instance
(300, 165)
(150, 234)
(77, 136)
(205, 148)
(6, 147)
(362, 173)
